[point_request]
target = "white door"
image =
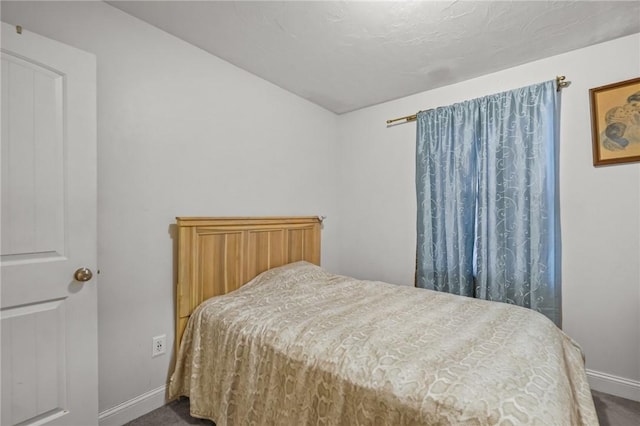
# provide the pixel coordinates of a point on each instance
(49, 319)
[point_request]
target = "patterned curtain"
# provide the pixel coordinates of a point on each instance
(446, 167)
(488, 217)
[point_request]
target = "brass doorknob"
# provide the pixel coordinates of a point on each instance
(83, 274)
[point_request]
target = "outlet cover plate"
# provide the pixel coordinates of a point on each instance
(159, 345)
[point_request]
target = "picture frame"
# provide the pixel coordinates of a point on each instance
(615, 122)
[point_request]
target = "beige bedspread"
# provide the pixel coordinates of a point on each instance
(300, 346)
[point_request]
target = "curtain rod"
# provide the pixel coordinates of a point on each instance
(560, 82)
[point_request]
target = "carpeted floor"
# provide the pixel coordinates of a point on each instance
(615, 411)
(175, 413)
(612, 411)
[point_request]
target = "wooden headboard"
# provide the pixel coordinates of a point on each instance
(218, 255)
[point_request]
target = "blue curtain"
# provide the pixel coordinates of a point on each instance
(488, 217)
(446, 163)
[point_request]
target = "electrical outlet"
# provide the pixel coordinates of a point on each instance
(159, 345)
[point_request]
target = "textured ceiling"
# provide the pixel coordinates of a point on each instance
(349, 55)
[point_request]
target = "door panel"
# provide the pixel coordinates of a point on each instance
(33, 153)
(34, 359)
(49, 320)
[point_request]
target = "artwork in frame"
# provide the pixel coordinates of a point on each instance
(615, 122)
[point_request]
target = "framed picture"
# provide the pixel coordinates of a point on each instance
(615, 122)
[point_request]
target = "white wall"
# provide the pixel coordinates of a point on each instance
(600, 207)
(180, 133)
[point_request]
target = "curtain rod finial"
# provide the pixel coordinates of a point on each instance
(561, 82)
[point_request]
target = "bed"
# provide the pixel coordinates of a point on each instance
(298, 345)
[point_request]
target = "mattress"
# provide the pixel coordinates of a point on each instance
(298, 345)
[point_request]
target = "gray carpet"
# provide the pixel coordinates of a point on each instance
(612, 411)
(615, 411)
(175, 413)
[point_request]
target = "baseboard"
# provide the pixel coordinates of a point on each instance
(614, 385)
(133, 408)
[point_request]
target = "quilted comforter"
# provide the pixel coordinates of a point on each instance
(298, 346)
